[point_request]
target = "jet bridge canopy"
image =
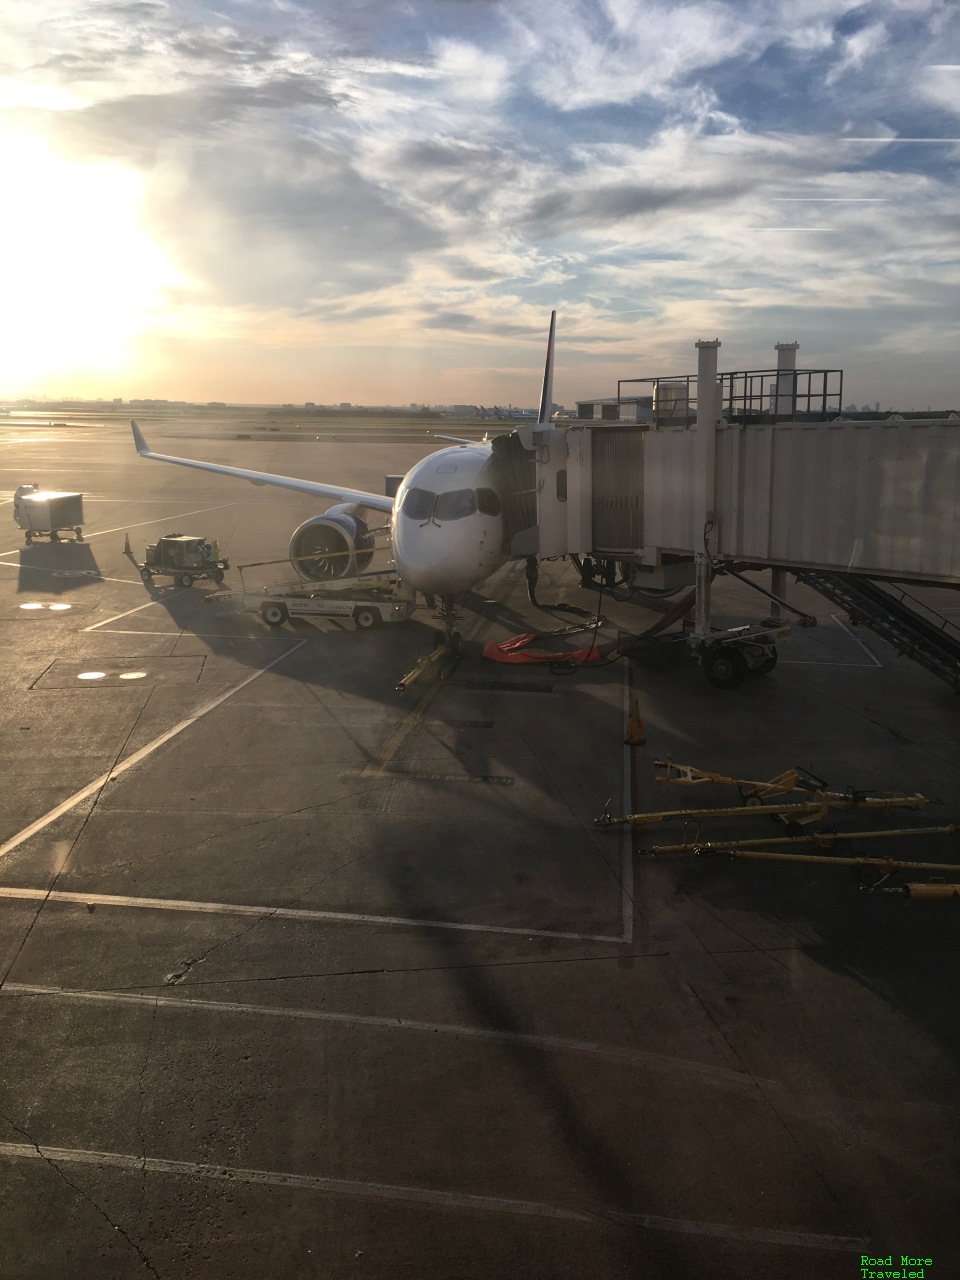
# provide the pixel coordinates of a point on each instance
(735, 475)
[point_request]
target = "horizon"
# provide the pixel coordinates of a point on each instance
(257, 206)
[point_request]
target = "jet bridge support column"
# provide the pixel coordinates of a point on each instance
(785, 402)
(706, 456)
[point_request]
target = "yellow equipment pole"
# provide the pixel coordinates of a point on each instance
(885, 865)
(823, 838)
(810, 809)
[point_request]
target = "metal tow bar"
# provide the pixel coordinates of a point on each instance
(792, 780)
(823, 839)
(810, 811)
(439, 663)
(873, 871)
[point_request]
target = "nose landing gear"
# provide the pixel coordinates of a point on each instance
(447, 648)
(449, 615)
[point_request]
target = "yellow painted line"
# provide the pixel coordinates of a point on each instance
(120, 528)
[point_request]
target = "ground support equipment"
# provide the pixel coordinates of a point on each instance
(792, 782)
(47, 513)
(811, 811)
(370, 599)
(436, 665)
(873, 873)
(185, 558)
(824, 839)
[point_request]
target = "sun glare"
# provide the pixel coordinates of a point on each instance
(81, 278)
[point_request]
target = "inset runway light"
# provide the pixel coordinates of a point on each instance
(91, 675)
(133, 675)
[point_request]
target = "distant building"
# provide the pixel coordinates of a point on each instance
(345, 404)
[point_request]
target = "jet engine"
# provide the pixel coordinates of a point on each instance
(335, 545)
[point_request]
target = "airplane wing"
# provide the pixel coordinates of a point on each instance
(376, 501)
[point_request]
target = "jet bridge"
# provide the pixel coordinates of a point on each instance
(757, 469)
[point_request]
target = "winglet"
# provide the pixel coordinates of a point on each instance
(546, 398)
(142, 446)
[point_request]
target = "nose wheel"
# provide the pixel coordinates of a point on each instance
(447, 648)
(449, 615)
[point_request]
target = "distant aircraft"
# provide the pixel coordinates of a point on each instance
(446, 521)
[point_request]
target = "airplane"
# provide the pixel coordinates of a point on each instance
(446, 521)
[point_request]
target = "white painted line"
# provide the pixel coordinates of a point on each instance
(139, 607)
(180, 515)
(37, 568)
(723, 1076)
(754, 1235)
(422, 1195)
(283, 913)
(79, 796)
(843, 627)
(273, 634)
(809, 662)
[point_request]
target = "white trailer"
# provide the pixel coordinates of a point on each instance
(46, 513)
(370, 599)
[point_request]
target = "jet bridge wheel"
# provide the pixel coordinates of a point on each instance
(725, 666)
(766, 666)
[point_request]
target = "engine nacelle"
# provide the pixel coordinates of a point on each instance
(335, 545)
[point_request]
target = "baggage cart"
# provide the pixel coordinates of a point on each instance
(46, 513)
(185, 558)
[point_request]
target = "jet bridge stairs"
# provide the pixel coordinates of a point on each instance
(915, 630)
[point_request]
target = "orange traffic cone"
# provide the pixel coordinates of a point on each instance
(636, 736)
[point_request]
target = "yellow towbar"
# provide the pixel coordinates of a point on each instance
(823, 839)
(809, 811)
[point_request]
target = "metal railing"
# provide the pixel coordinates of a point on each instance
(760, 396)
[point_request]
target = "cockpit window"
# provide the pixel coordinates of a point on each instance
(488, 502)
(418, 504)
(455, 505)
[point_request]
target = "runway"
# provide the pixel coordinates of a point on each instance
(302, 978)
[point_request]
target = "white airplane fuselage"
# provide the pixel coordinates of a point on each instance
(447, 523)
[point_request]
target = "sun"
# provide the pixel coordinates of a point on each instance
(81, 278)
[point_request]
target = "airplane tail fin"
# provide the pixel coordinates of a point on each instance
(546, 397)
(138, 440)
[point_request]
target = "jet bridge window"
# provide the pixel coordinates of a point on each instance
(455, 505)
(418, 504)
(488, 502)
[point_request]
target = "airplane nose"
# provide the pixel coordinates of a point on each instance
(425, 558)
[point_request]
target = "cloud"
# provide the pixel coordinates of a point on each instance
(370, 173)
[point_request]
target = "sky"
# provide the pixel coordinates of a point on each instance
(381, 202)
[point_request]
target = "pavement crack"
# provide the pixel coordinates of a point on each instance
(83, 1195)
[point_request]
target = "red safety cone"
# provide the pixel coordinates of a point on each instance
(636, 735)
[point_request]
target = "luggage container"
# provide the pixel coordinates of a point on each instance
(46, 513)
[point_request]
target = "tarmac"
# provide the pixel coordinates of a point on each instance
(301, 978)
